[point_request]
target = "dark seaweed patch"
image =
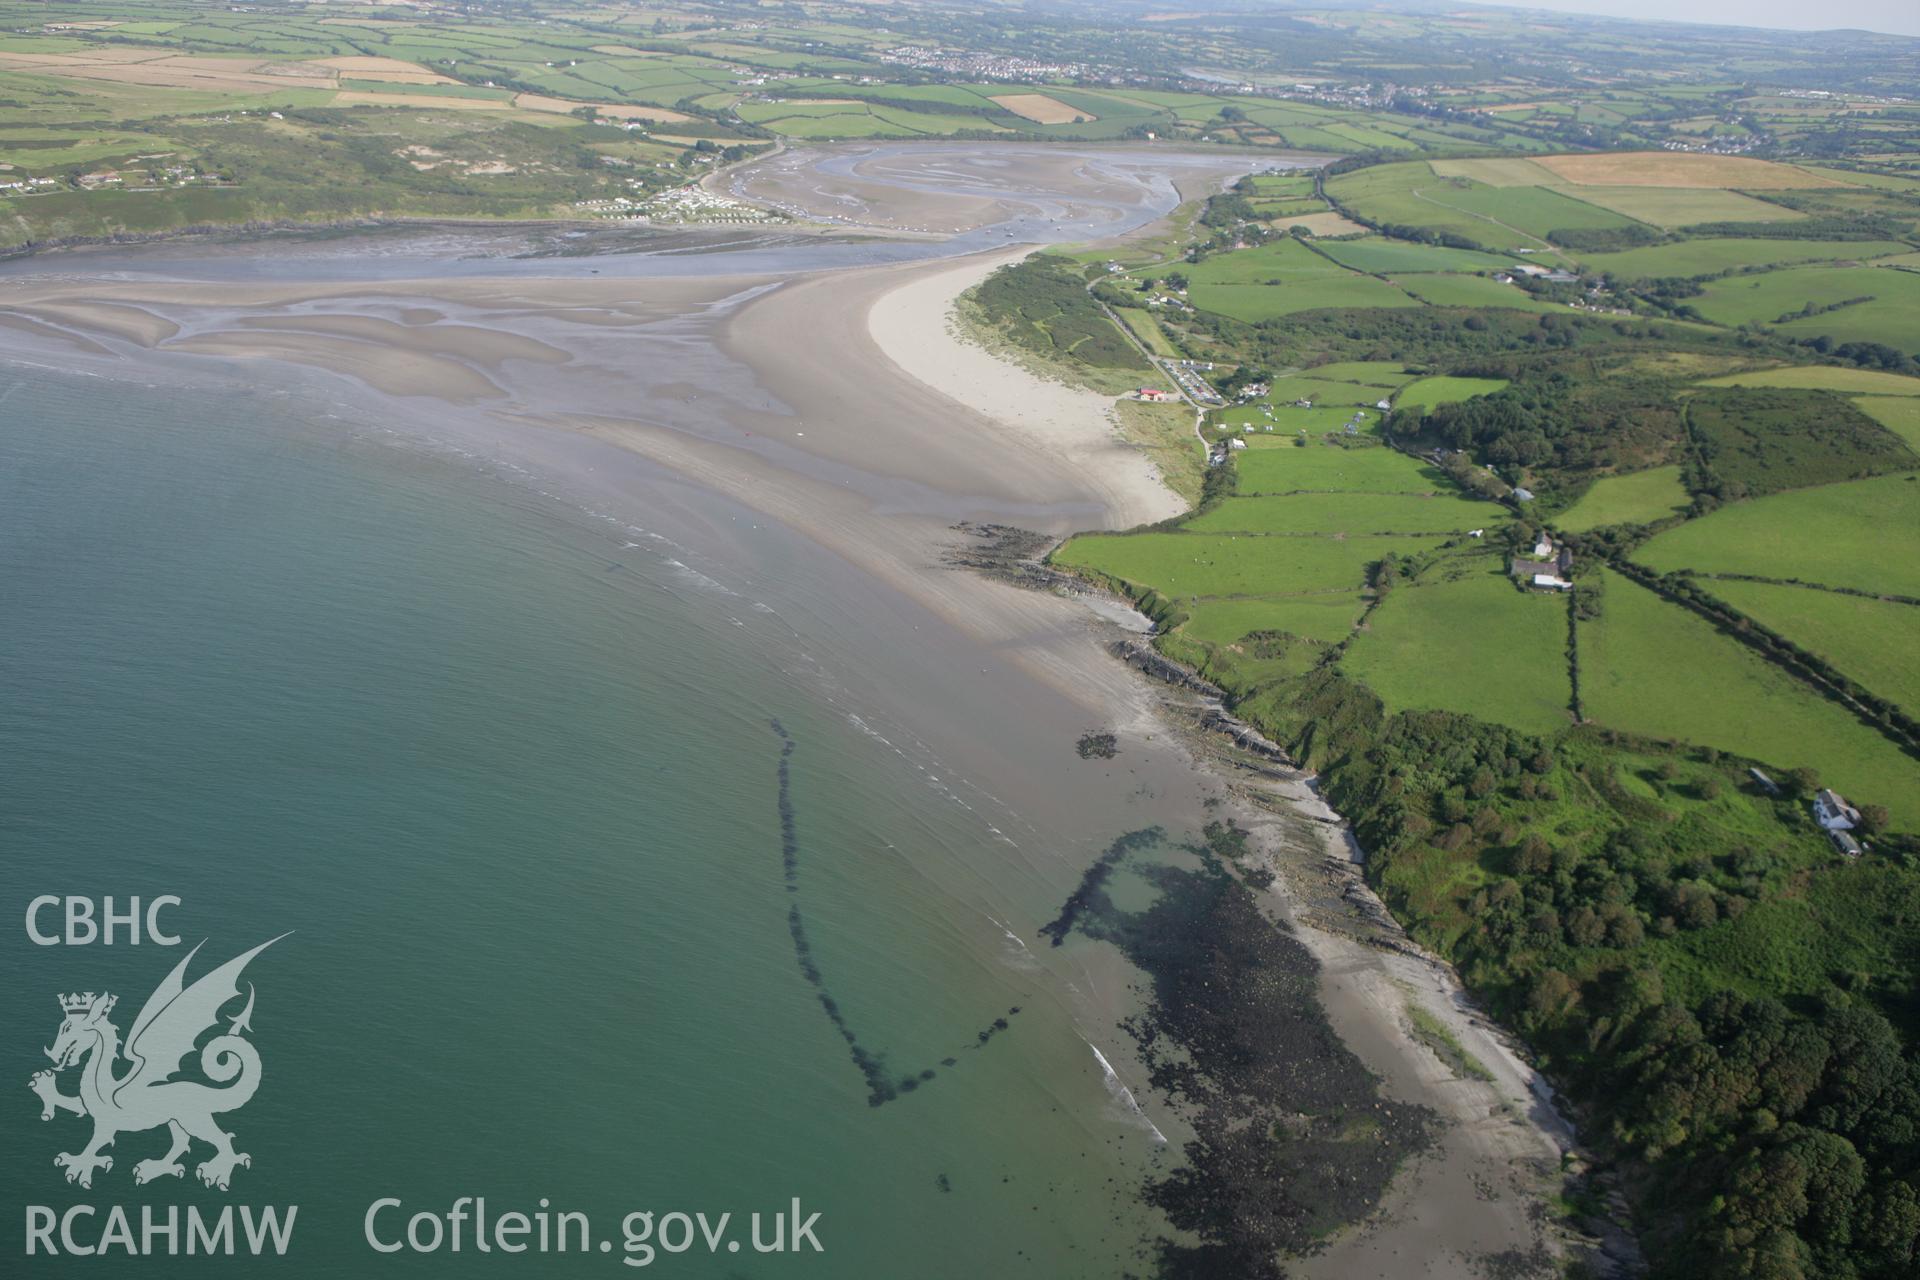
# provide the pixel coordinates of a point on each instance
(881, 1089)
(1291, 1137)
(1097, 746)
(1093, 882)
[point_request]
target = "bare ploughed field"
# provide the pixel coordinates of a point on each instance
(612, 110)
(185, 71)
(1680, 169)
(438, 101)
(229, 75)
(1041, 109)
(397, 70)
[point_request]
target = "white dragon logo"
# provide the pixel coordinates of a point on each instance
(147, 1096)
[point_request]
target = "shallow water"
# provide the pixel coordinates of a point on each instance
(1053, 195)
(509, 775)
(495, 724)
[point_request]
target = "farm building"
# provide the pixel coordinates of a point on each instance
(1831, 810)
(1765, 783)
(1542, 575)
(1844, 843)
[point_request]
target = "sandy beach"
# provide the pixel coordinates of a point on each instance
(913, 326)
(848, 406)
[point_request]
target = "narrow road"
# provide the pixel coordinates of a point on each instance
(1199, 410)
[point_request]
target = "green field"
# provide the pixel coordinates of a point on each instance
(1347, 513)
(1863, 534)
(859, 120)
(1898, 414)
(1324, 391)
(1143, 326)
(1891, 316)
(1187, 565)
(1385, 374)
(1472, 291)
(1387, 195)
(1871, 304)
(1327, 618)
(1640, 497)
(1273, 467)
(1280, 279)
(1281, 185)
(1682, 206)
(1653, 668)
(1498, 171)
(1287, 420)
(1389, 257)
(1823, 378)
(1476, 644)
(1274, 262)
(1872, 641)
(1687, 258)
(1429, 393)
(1410, 194)
(1254, 303)
(1534, 211)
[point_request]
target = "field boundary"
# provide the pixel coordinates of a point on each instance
(1881, 715)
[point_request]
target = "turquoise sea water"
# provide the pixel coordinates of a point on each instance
(510, 777)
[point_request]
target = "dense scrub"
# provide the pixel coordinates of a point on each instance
(1750, 441)
(1043, 305)
(1666, 937)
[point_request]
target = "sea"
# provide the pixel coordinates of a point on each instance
(665, 872)
(590, 885)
